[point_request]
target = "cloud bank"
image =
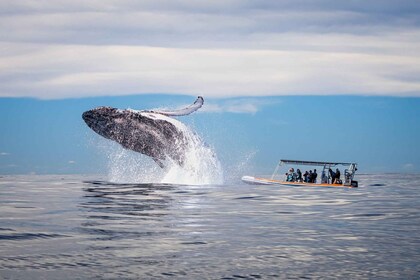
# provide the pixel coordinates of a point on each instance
(231, 48)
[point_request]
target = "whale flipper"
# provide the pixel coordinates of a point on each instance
(182, 112)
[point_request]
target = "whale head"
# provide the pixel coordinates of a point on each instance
(103, 120)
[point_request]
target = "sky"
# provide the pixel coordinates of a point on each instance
(249, 135)
(314, 80)
(77, 48)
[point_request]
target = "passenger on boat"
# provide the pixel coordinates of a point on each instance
(324, 178)
(310, 176)
(305, 176)
(298, 175)
(291, 176)
(332, 175)
(337, 179)
(314, 175)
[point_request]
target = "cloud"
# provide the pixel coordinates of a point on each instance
(408, 167)
(4, 154)
(217, 48)
(8, 166)
(242, 108)
(73, 71)
(239, 106)
(71, 162)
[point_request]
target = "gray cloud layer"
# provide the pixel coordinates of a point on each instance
(218, 48)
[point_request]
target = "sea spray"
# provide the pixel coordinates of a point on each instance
(201, 165)
(242, 164)
(125, 166)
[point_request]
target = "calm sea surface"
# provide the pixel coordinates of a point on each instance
(81, 227)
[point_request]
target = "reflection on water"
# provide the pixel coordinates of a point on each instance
(112, 209)
(55, 227)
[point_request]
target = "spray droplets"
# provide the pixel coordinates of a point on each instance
(201, 165)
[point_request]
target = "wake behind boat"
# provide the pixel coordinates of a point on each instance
(328, 178)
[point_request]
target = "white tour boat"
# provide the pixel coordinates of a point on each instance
(326, 178)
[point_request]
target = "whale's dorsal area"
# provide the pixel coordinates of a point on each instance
(182, 112)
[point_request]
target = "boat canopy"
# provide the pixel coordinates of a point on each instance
(318, 163)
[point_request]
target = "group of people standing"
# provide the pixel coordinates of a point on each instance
(335, 176)
(308, 177)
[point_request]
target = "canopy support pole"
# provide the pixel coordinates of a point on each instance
(275, 170)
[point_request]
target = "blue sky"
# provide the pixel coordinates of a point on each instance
(380, 133)
(317, 80)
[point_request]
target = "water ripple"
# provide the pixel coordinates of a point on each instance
(29, 235)
(58, 227)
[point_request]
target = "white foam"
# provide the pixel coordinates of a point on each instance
(201, 165)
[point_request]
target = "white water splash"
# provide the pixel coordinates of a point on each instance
(201, 164)
(243, 165)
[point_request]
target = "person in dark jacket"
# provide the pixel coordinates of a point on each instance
(337, 177)
(332, 175)
(305, 176)
(310, 176)
(314, 175)
(298, 175)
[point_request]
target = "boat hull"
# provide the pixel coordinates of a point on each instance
(263, 181)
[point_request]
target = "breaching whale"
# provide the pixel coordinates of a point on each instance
(150, 132)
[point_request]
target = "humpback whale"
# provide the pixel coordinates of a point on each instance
(150, 132)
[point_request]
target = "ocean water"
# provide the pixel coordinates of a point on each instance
(82, 227)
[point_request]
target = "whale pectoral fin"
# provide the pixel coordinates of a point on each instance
(159, 162)
(182, 112)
